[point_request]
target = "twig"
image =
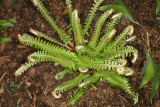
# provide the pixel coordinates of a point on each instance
(29, 94)
(2, 77)
(2, 96)
(34, 99)
(122, 98)
(9, 94)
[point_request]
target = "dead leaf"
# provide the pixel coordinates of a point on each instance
(21, 46)
(2, 47)
(51, 2)
(65, 11)
(4, 59)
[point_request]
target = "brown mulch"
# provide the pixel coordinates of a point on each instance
(41, 78)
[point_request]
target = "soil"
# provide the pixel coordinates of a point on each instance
(40, 79)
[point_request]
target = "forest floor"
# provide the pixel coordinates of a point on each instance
(40, 79)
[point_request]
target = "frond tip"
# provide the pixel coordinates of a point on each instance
(125, 71)
(55, 95)
(24, 67)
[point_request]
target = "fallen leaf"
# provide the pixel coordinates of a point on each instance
(3, 60)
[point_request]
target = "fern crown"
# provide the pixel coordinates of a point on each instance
(104, 55)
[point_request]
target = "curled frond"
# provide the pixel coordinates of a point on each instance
(125, 71)
(119, 39)
(83, 69)
(61, 75)
(24, 67)
(70, 84)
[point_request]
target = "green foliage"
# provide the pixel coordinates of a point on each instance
(110, 94)
(150, 70)
(61, 75)
(158, 18)
(90, 17)
(7, 23)
(105, 56)
(4, 24)
(121, 7)
(122, 82)
(4, 39)
(158, 6)
(13, 85)
(157, 10)
(150, 67)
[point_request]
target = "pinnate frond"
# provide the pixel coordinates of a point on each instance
(48, 56)
(96, 63)
(46, 46)
(24, 67)
(122, 82)
(61, 75)
(40, 34)
(77, 29)
(96, 33)
(69, 84)
(90, 17)
(66, 38)
(76, 95)
(127, 31)
(113, 22)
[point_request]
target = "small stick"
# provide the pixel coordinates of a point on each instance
(122, 98)
(2, 77)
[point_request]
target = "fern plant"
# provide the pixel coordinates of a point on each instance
(104, 55)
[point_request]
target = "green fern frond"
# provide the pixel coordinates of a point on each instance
(111, 53)
(105, 73)
(103, 41)
(113, 22)
(89, 80)
(90, 17)
(76, 95)
(66, 38)
(96, 63)
(82, 88)
(25, 66)
(69, 8)
(61, 75)
(46, 46)
(127, 31)
(69, 84)
(40, 34)
(48, 56)
(85, 50)
(97, 29)
(77, 28)
(122, 82)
